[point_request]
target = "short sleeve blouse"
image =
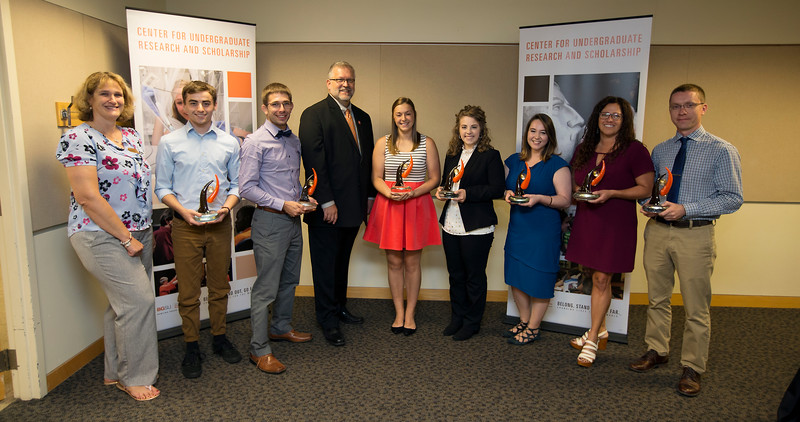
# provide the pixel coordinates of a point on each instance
(123, 176)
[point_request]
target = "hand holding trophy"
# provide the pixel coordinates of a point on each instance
(523, 181)
(454, 176)
(660, 190)
(205, 198)
(308, 189)
(403, 170)
(594, 177)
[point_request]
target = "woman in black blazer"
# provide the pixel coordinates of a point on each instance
(468, 221)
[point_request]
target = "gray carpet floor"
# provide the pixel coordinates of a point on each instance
(381, 376)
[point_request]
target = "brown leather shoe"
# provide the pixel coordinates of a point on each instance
(267, 363)
(689, 385)
(648, 361)
(293, 336)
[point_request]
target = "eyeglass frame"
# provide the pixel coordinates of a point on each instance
(614, 116)
(277, 105)
(687, 106)
(343, 80)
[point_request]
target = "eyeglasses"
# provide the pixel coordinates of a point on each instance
(614, 116)
(341, 81)
(687, 106)
(285, 104)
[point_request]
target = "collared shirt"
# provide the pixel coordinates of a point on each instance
(711, 184)
(270, 170)
(186, 161)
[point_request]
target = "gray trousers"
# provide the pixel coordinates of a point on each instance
(278, 250)
(129, 323)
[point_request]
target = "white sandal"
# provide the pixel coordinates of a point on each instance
(602, 340)
(588, 354)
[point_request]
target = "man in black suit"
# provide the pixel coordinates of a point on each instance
(337, 142)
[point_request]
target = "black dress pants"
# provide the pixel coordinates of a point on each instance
(330, 249)
(466, 262)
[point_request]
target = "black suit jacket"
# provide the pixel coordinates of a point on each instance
(344, 175)
(483, 180)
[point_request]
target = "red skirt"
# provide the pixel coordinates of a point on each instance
(407, 225)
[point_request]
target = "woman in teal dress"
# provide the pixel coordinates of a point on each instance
(534, 229)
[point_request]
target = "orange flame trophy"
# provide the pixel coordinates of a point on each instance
(523, 181)
(403, 170)
(660, 190)
(592, 179)
(454, 176)
(308, 189)
(205, 199)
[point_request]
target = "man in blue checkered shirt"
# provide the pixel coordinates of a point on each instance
(707, 183)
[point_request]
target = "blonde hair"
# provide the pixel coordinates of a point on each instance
(88, 88)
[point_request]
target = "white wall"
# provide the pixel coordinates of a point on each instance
(71, 301)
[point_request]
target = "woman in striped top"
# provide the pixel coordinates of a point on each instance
(403, 222)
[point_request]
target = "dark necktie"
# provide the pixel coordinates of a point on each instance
(677, 171)
(281, 133)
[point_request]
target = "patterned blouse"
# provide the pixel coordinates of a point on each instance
(123, 176)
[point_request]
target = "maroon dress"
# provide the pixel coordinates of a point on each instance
(603, 236)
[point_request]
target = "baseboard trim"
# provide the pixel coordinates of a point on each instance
(385, 293)
(71, 366)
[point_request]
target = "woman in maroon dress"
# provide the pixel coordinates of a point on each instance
(603, 236)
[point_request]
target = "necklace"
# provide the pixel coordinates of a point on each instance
(115, 135)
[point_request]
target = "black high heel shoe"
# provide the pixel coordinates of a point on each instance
(409, 331)
(397, 330)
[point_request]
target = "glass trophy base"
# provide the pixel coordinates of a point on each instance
(585, 196)
(655, 209)
(307, 205)
(514, 199)
(400, 189)
(448, 194)
(205, 218)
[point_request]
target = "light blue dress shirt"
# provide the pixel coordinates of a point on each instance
(186, 161)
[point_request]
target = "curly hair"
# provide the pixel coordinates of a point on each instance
(415, 136)
(484, 142)
(90, 85)
(591, 137)
(552, 142)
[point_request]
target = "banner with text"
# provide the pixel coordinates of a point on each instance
(167, 51)
(564, 70)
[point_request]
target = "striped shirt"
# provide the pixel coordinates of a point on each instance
(712, 178)
(392, 161)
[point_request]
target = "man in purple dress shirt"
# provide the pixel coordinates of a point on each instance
(270, 177)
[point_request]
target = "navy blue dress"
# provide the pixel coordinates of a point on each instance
(533, 242)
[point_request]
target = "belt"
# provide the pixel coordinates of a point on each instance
(685, 224)
(267, 209)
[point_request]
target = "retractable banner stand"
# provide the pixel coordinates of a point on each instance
(564, 70)
(167, 51)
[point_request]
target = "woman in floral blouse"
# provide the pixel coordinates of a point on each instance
(109, 227)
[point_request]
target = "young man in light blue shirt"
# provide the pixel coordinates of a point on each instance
(187, 159)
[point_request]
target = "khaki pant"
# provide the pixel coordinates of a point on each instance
(188, 245)
(691, 252)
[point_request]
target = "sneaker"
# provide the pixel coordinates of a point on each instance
(190, 367)
(228, 352)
